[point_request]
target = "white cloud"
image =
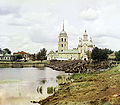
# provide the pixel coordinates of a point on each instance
(90, 14)
(30, 25)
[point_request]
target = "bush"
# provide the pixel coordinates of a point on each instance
(50, 90)
(59, 77)
(117, 54)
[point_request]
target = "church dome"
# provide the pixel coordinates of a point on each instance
(63, 32)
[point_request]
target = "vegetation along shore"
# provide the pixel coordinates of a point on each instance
(101, 88)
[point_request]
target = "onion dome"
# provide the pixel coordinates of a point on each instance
(63, 33)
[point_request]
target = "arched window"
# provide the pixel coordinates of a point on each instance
(65, 39)
(61, 45)
(62, 39)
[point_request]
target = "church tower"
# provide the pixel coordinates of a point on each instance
(85, 37)
(80, 45)
(63, 41)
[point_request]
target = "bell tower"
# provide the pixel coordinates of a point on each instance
(62, 41)
(85, 36)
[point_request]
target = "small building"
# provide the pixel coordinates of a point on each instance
(25, 55)
(4, 56)
(112, 56)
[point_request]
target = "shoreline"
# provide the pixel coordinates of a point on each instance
(89, 89)
(22, 64)
(79, 66)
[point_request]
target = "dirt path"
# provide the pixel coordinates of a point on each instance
(98, 89)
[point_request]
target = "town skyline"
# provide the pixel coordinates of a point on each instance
(30, 26)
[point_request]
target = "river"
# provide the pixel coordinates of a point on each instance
(19, 86)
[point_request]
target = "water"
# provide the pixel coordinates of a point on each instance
(19, 86)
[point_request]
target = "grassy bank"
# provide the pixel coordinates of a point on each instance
(23, 64)
(8, 81)
(89, 89)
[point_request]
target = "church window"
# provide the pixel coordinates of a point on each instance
(61, 50)
(62, 39)
(65, 39)
(61, 45)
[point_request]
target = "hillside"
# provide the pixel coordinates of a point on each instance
(89, 89)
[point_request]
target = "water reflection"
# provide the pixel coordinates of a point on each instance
(31, 84)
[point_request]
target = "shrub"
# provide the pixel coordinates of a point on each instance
(59, 77)
(50, 90)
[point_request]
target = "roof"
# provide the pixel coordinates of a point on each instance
(22, 52)
(63, 33)
(70, 51)
(7, 55)
(112, 56)
(51, 52)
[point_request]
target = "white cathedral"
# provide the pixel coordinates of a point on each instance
(63, 53)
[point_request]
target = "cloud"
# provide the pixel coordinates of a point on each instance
(89, 14)
(3, 40)
(19, 22)
(30, 25)
(107, 36)
(5, 10)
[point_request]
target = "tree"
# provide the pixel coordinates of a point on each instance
(108, 51)
(18, 57)
(99, 54)
(7, 51)
(42, 54)
(117, 54)
(95, 54)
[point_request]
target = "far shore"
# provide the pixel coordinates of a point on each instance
(14, 64)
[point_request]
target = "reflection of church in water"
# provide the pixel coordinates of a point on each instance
(85, 45)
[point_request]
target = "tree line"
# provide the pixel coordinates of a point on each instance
(99, 54)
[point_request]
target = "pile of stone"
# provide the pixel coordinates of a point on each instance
(78, 66)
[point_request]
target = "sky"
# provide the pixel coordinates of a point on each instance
(30, 25)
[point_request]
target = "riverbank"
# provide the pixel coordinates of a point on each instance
(80, 66)
(23, 64)
(89, 89)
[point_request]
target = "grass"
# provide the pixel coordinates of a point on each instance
(59, 77)
(78, 76)
(8, 81)
(114, 72)
(4, 64)
(29, 62)
(84, 85)
(50, 90)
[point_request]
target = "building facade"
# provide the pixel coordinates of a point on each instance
(84, 47)
(4, 56)
(25, 55)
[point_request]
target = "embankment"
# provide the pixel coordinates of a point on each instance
(22, 64)
(89, 89)
(79, 66)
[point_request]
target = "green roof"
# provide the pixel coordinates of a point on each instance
(70, 51)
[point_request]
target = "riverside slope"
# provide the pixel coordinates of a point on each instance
(89, 89)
